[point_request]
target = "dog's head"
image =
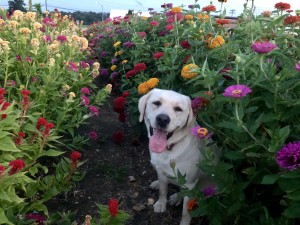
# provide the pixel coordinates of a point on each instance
(167, 115)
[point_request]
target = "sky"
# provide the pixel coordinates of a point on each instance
(143, 5)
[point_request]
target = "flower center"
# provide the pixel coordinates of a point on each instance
(236, 92)
(202, 131)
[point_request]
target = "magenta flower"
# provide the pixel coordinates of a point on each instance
(288, 157)
(297, 66)
(85, 91)
(18, 58)
(28, 59)
(94, 111)
(36, 218)
(62, 38)
(263, 47)
(201, 132)
(85, 100)
(93, 135)
(154, 23)
(72, 66)
(209, 191)
(11, 83)
(237, 91)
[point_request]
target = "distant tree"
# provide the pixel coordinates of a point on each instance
(16, 5)
(38, 8)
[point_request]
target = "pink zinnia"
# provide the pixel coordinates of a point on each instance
(94, 111)
(154, 23)
(201, 132)
(62, 38)
(263, 47)
(72, 66)
(237, 91)
(169, 27)
(142, 34)
(28, 59)
(85, 100)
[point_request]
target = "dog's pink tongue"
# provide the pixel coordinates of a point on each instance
(158, 141)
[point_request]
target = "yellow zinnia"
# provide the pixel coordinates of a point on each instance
(203, 17)
(185, 72)
(176, 9)
(143, 88)
(189, 17)
(117, 44)
(215, 42)
(113, 67)
(152, 82)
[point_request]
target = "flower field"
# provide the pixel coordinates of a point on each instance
(243, 82)
(244, 85)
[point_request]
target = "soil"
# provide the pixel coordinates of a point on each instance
(109, 168)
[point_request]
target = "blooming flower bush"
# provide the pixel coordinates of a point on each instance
(46, 92)
(244, 83)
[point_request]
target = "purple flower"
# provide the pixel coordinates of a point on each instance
(128, 44)
(191, 6)
(113, 75)
(196, 104)
(169, 5)
(62, 38)
(209, 191)
(297, 66)
(85, 91)
(288, 157)
(263, 47)
(201, 132)
(101, 36)
(93, 135)
(83, 64)
(103, 54)
(47, 38)
(111, 35)
(150, 9)
(237, 91)
(114, 61)
(103, 72)
(94, 111)
(72, 66)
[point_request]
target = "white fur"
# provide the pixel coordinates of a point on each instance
(185, 152)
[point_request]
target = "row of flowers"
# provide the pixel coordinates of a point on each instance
(244, 85)
(46, 92)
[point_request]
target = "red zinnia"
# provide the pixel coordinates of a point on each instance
(142, 34)
(119, 104)
(169, 27)
(222, 21)
(291, 20)
(185, 44)
(158, 55)
(209, 8)
(125, 94)
(131, 73)
(113, 205)
(16, 166)
(282, 6)
(139, 67)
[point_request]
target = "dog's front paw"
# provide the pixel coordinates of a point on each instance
(160, 206)
(175, 199)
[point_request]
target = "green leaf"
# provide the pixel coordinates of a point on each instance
(270, 179)
(292, 211)
(234, 155)
(52, 152)
(6, 144)
(3, 218)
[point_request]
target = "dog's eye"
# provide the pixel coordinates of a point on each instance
(157, 103)
(178, 109)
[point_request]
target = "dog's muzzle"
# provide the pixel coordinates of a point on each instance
(162, 120)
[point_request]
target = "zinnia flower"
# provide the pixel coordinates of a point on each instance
(36, 218)
(222, 21)
(152, 82)
(62, 38)
(291, 20)
(186, 71)
(201, 132)
(288, 157)
(209, 8)
(131, 73)
(297, 66)
(85, 91)
(189, 17)
(158, 55)
(119, 104)
(191, 204)
(263, 47)
(185, 44)
(169, 27)
(117, 44)
(203, 17)
(209, 191)
(142, 34)
(140, 67)
(215, 42)
(74, 157)
(143, 88)
(176, 10)
(237, 91)
(154, 23)
(282, 6)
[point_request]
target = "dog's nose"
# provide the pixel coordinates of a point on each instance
(162, 120)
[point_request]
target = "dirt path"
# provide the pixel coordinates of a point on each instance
(108, 169)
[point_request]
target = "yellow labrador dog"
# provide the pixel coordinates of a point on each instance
(169, 118)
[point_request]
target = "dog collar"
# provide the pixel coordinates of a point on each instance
(170, 147)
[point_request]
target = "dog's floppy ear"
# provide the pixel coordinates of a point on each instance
(142, 105)
(191, 119)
